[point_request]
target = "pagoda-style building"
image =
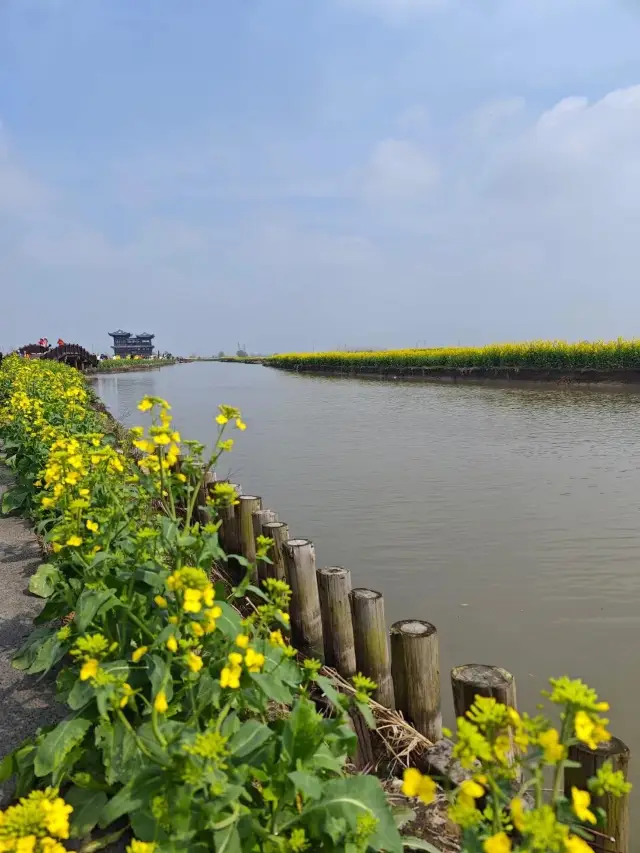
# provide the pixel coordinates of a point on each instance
(125, 344)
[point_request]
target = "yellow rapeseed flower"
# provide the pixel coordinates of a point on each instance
(160, 703)
(160, 600)
(590, 731)
(254, 660)
(222, 420)
(141, 846)
(499, 843)
(194, 662)
(145, 405)
(92, 526)
(414, 784)
(230, 677)
(575, 844)
(74, 541)
(89, 669)
(127, 692)
(242, 640)
(580, 800)
(172, 644)
(517, 813)
(138, 653)
(554, 751)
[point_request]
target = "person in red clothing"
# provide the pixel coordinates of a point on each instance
(60, 342)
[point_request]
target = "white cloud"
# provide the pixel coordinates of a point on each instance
(400, 169)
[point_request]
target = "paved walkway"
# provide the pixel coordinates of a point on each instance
(25, 702)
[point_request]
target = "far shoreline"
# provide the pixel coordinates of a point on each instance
(518, 377)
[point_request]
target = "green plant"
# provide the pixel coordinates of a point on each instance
(502, 806)
(187, 724)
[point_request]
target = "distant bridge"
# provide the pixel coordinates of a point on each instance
(71, 354)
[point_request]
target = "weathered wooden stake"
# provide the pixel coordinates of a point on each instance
(415, 666)
(616, 828)
(247, 505)
(229, 527)
(477, 679)
(261, 517)
(306, 622)
(203, 514)
(258, 518)
(334, 586)
(279, 532)
(371, 642)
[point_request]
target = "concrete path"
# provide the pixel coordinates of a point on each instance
(25, 702)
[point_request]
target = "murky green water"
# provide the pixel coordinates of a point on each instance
(509, 518)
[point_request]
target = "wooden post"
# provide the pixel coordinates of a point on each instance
(616, 827)
(306, 622)
(477, 679)
(258, 518)
(261, 517)
(279, 532)
(229, 526)
(371, 642)
(334, 586)
(415, 667)
(203, 514)
(247, 505)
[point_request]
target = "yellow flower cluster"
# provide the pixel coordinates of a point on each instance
(192, 588)
(536, 354)
(35, 824)
(252, 660)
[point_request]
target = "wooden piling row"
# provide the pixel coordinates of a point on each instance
(346, 628)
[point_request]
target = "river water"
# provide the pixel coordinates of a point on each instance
(507, 517)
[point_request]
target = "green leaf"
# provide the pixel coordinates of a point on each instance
(227, 840)
(53, 750)
(272, 687)
(409, 842)
(14, 499)
(367, 713)
(308, 784)
(230, 621)
(303, 731)
(119, 750)
(355, 795)
(87, 806)
(44, 582)
(207, 693)
(324, 759)
(80, 695)
(7, 768)
(159, 675)
(132, 797)
(249, 737)
(152, 579)
(90, 602)
(402, 815)
(27, 652)
(326, 685)
(41, 655)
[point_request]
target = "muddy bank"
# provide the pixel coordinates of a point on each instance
(521, 376)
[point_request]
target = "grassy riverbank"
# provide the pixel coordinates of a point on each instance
(537, 355)
(122, 365)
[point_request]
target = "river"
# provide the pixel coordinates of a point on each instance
(507, 517)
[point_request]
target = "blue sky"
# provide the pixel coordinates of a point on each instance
(298, 174)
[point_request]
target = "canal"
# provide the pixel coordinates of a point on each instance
(507, 517)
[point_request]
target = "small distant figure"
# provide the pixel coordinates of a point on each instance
(43, 342)
(60, 342)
